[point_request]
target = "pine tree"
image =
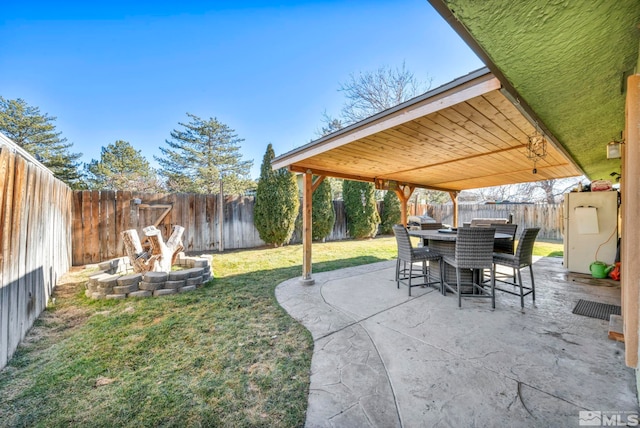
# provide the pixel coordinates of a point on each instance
(277, 203)
(360, 207)
(36, 133)
(121, 167)
(390, 212)
(323, 215)
(202, 154)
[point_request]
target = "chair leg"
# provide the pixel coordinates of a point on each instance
(443, 290)
(398, 272)
(533, 285)
(521, 289)
(425, 272)
(493, 289)
(458, 287)
(442, 266)
(410, 276)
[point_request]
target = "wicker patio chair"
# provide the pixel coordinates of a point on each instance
(522, 258)
(504, 245)
(428, 226)
(408, 254)
(474, 250)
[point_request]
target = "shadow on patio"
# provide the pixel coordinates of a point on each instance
(384, 359)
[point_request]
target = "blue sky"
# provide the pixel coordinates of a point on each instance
(131, 70)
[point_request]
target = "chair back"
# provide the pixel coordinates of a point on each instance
(474, 247)
(503, 245)
(487, 222)
(525, 246)
(404, 242)
(431, 226)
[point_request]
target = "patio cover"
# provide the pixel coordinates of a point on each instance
(469, 133)
(466, 134)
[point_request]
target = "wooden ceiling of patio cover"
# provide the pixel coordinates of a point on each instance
(471, 136)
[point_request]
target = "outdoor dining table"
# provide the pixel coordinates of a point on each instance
(444, 241)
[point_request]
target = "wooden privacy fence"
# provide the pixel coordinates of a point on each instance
(99, 218)
(35, 234)
(548, 217)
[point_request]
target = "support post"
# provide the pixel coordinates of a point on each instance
(454, 199)
(630, 251)
(307, 195)
(404, 198)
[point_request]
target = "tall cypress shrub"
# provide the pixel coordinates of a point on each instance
(390, 212)
(360, 206)
(277, 203)
(323, 215)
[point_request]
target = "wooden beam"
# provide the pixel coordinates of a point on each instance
(476, 178)
(319, 179)
(307, 197)
(414, 185)
(454, 199)
(323, 172)
(630, 186)
(404, 198)
(464, 158)
(319, 172)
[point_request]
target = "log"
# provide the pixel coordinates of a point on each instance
(160, 256)
(175, 242)
(166, 253)
(140, 260)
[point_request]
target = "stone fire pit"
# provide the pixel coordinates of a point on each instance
(114, 281)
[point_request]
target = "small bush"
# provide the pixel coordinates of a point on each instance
(390, 212)
(360, 207)
(277, 203)
(323, 215)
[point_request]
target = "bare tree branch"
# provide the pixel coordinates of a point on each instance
(369, 93)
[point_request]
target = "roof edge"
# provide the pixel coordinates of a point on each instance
(484, 71)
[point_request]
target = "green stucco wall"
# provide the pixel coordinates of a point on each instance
(566, 59)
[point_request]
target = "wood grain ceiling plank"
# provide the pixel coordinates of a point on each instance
(425, 153)
(493, 128)
(472, 131)
(381, 157)
(431, 144)
(511, 112)
(431, 130)
(450, 133)
(500, 109)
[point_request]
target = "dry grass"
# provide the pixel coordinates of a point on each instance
(223, 355)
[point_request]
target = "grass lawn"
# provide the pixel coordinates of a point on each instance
(548, 248)
(223, 355)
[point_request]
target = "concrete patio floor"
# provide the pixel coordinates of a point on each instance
(384, 359)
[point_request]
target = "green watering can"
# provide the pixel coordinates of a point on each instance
(600, 269)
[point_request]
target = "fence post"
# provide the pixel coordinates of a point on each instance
(221, 217)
